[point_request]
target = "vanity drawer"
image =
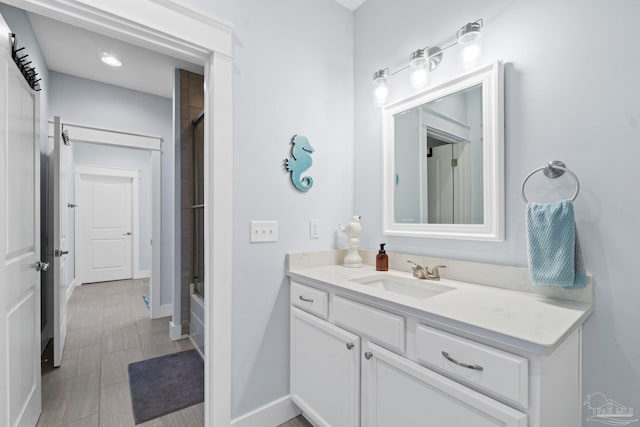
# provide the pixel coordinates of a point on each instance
(490, 369)
(310, 299)
(381, 327)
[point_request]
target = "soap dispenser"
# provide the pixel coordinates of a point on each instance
(382, 259)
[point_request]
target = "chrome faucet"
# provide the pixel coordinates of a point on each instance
(423, 272)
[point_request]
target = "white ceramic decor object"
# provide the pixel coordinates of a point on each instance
(352, 231)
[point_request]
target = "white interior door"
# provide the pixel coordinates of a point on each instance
(440, 181)
(105, 213)
(20, 395)
(58, 181)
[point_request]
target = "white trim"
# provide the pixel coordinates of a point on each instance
(491, 78)
(141, 274)
(272, 414)
(165, 310)
(80, 169)
(175, 331)
(134, 175)
(135, 225)
(71, 288)
(94, 135)
(155, 280)
(218, 222)
(160, 26)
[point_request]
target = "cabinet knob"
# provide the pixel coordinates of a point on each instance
(350, 345)
(368, 355)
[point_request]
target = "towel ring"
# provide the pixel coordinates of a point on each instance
(553, 169)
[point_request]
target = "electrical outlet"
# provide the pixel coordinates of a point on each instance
(263, 231)
(314, 229)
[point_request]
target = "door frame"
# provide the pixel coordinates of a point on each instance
(134, 175)
(170, 27)
(153, 144)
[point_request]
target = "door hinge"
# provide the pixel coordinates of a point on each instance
(454, 163)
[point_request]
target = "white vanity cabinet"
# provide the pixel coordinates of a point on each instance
(359, 362)
(399, 392)
(325, 370)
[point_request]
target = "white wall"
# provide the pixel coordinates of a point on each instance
(81, 101)
(125, 158)
(571, 94)
(293, 74)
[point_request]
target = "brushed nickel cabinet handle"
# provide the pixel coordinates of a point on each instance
(350, 345)
(305, 299)
(464, 365)
(368, 355)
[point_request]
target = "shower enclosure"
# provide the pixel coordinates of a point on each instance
(197, 208)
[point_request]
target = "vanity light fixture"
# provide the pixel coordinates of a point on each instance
(469, 38)
(425, 60)
(110, 60)
(380, 87)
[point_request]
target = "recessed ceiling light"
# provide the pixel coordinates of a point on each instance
(110, 60)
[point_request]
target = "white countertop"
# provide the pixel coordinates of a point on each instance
(530, 318)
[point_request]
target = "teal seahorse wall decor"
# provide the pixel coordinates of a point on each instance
(299, 162)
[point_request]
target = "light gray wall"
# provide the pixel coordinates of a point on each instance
(293, 74)
(125, 158)
(571, 94)
(19, 23)
(81, 101)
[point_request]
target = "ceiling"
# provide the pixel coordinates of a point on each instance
(76, 51)
(351, 4)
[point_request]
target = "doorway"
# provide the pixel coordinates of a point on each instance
(185, 33)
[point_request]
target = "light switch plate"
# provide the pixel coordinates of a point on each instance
(263, 231)
(314, 229)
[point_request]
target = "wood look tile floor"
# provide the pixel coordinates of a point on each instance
(108, 328)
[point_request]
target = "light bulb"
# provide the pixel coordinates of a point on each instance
(469, 39)
(380, 87)
(418, 79)
(471, 53)
(110, 60)
(418, 67)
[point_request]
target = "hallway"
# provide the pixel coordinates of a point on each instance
(109, 327)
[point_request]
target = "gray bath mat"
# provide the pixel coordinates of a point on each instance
(166, 384)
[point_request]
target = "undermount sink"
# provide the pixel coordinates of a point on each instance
(414, 288)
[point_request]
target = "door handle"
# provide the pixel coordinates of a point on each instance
(42, 266)
(128, 233)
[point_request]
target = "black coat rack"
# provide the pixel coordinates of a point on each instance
(28, 71)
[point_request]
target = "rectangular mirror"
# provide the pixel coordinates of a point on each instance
(443, 160)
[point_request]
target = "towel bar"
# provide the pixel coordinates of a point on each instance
(552, 169)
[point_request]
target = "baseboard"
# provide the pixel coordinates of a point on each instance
(175, 331)
(272, 414)
(165, 310)
(141, 274)
(71, 288)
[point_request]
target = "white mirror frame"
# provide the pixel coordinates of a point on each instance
(491, 78)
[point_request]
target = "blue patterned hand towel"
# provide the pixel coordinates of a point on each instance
(555, 256)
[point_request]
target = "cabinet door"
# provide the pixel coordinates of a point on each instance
(325, 371)
(399, 392)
